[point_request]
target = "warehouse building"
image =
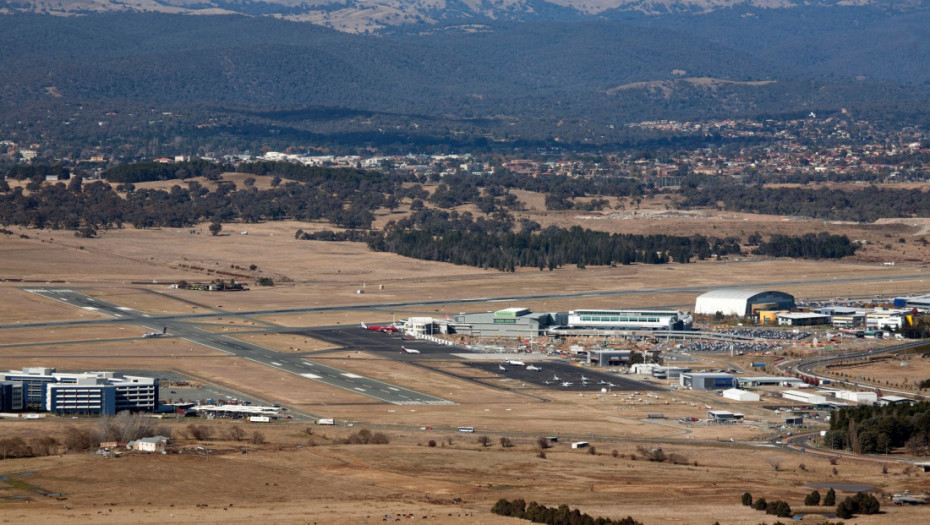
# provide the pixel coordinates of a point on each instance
(741, 395)
(609, 357)
(724, 416)
(93, 393)
(804, 397)
(707, 381)
(861, 398)
(741, 302)
(757, 381)
(669, 372)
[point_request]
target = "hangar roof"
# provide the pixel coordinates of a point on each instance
(731, 293)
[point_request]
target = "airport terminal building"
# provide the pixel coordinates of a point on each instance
(90, 393)
(510, 322)
(627, 319)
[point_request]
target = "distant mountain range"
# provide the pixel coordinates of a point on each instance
(553, 73)
(374, 15)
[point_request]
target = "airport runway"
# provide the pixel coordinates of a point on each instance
(512, 299)
(293, 364)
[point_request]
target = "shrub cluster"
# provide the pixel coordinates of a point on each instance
(562, 515)
(861, 503)
(366, 437)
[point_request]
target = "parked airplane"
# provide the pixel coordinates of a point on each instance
(387, 329)
(533, 368)
(501, 367)
(515, 363)
(567, 383)
(409, 350)
(555, 378)
(147, 335)
(583, 378)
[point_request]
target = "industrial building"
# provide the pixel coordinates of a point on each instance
(753, 382)
(921, 302)
(509, 322)
(741, 395)
(609, 357)
(96, 393)
(628, 319)
(802, 319)
(862, 398)
(668, 372)
(707, 381)
(804, 397)
(723, 416)
(886, 319)
(741, 302)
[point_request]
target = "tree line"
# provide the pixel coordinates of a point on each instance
(808, 246)
(881, 429)
(866, 205)
(561, 515)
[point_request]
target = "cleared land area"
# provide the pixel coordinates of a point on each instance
(295, 476)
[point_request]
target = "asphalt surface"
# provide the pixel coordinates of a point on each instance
(293, 364)
(559, 375)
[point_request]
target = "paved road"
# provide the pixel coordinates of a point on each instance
(293, 364)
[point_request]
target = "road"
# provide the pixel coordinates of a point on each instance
(806, 367)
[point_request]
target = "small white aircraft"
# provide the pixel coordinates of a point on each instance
(583, 378)
(148, 335)
(567, 383)
(533, 368)
(409, 350)
(555, 378)
(515, 363)
(501, 367)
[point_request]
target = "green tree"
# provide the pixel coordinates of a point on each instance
(215, 228)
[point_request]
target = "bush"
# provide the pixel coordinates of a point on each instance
(542, 443)
(432, 443)
(812, 499)
(861, 503)
(778, 508)
(747, 499)
(79, 439)
(829, 499)
(200, 432)
(506, 442)
(365, 437)
(760, 504)
(484, 440)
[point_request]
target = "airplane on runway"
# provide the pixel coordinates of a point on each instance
(567, 383)
(583, 378)
(515, 363)
(533, 368)
(409, 350)
(501, 367)
(148, 335)
(555, 378)
(384, 329)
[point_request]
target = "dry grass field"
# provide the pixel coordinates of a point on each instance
(296, 477)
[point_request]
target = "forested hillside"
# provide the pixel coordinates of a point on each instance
(222, 81)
